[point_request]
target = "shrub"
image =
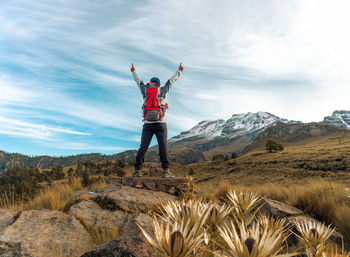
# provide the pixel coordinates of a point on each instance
(234, 155)
(85, 178)
(273, 146)
(218, 157)
(119, 171)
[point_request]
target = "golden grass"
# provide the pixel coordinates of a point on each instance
(8, 201)
(324, 201)
(301, 162)
(99, 234)
(56, 197)
(98, 185)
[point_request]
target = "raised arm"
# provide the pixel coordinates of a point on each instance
(166, 88)
(138, 80)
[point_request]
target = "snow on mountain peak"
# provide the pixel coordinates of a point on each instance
(238, 124)
(340, 118)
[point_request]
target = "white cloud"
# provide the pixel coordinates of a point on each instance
(239, 56)
(30, 130)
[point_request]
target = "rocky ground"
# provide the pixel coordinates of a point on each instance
(47, 233)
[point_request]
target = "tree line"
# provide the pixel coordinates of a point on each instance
(24, 182)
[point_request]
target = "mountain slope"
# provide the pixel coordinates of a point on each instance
(339, 118)
(289, 133)
(312, 152)
(220, 136)
(14, 159)
(207, 138)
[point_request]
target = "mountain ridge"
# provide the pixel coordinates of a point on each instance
(205, 139)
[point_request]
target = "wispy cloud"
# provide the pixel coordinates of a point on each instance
(31, 130)
(64, 66)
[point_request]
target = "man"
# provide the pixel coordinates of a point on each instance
(154, 108)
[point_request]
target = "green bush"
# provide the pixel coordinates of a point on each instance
(273, 145)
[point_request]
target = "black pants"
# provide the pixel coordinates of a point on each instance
(161, 131)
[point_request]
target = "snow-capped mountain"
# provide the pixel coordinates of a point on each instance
(339, 118)
(237, 125)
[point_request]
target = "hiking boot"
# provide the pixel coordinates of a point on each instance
(167, 174)
(136, 173)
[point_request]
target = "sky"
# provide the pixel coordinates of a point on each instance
(65, 80)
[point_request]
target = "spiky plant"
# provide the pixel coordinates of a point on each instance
(347, 192)
(191, 210)
(333, 252)
(177, 238)
(272, 223)
(252, 242)
(245, 206)
(275, 224)
(216, 218)
(313, 236)
(217, 215)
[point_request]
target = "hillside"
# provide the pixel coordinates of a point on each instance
(220, 136)
(8, 160)
(206, 139)
(303, 159)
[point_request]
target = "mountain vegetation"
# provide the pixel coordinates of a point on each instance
(203, 141)
(23, 183)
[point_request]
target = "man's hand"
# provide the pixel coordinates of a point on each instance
(133, 68)
(181, 68)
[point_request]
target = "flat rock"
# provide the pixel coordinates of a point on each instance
(175, 185)
(131, 199)
(278, 209)
(84, 195)
(6, 218)
(45, 233)
(131, 243)
(94, 216)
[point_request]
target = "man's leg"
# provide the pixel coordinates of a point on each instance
(146, 137)
(161, 134)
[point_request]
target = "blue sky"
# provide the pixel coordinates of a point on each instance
(66, 87)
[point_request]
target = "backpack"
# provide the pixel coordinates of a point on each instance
(153, 110)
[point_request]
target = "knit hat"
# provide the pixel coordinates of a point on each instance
(154, 79)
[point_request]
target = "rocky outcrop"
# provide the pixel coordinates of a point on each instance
(131, 199)
(100, 212)
(94, 216)
(278, 209)
(174, 186)
(53, 233)
(130, 243)
(6, 218)
(290, 214)
(340, 118)
(45, 233)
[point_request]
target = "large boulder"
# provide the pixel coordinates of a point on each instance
(6, 218)
(45, 233)
(130, 243)
(291, 215)
(278, 209)
(131, 199)
(94, 216)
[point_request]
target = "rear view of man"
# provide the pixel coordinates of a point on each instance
(153, 111)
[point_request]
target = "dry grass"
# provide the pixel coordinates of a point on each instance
(8, 201)
(100, 234)
(54, 198)
(324, 201)
(98, 185)
(301, 162)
